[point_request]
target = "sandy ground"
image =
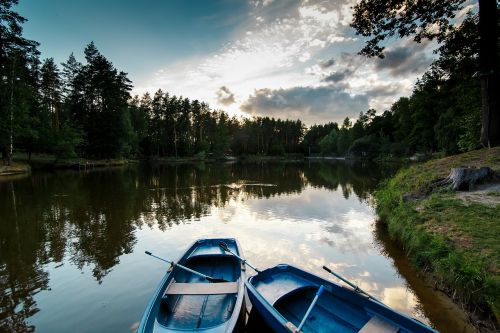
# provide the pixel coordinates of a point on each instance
(485, 194)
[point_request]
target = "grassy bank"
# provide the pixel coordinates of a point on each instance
(452, 236)
(14, 169)
(50, 162)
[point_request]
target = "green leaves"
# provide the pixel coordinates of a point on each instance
(382, 19)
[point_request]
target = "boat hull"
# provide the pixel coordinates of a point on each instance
(282, 295)
(185, 302)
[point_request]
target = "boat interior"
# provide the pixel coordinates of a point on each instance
(330, 314)
(191, 302)
(291, 295)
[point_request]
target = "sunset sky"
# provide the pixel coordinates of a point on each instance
(289, 59)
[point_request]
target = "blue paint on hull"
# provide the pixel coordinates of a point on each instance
(282, 295)
(206, 313)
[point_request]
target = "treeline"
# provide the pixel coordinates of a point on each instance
(85, 110)
(166, 125)
(443, 114)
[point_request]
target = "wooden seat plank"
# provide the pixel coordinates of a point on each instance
(202, 288)
(377, 325)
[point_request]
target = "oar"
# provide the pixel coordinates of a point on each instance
(318, 294)
(225, 248)
(208, 278)
(356, 288)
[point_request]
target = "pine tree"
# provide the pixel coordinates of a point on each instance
(18, 75)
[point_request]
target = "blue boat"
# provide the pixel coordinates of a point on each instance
(186, 302)
(282, 295)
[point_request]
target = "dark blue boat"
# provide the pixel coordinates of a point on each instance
(185, 302)
(282, 295)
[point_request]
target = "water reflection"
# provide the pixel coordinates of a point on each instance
(431, 303)
(21, 273)
(67, 231)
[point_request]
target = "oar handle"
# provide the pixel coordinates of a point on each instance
(320, 291)
(209, 278)
(159, 258)
(225, 248)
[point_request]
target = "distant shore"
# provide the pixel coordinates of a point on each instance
(22, 164)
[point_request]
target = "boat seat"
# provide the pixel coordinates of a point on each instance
(202, 288)
(377, 325)
(282, 285)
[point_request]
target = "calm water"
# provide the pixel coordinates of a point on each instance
(72, 243)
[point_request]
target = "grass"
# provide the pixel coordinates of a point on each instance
(45, 161)
(455, 241)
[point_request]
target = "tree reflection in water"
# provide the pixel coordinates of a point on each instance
(89, 218)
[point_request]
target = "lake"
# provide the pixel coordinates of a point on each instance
(72, 243)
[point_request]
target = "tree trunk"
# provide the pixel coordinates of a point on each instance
(175, 141)
(488, 59)
(464, 178)
(6, 157)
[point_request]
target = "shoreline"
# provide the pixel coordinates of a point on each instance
(21, 165)
(450, 237)
(14, 169)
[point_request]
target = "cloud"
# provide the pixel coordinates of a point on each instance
(310, 104)
(270, 51)
(225, 96)
(295, 59)
(409, 58)
(263, 3)
(326, 63)
(384, 89)
(335, 77)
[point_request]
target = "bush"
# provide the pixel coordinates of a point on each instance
(366, 147)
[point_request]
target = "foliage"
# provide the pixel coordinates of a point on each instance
(314, 135)
(329, 142)
(264, 135)
(428, 19)
(382, 19)
(65, 142)
(366, 146)
(19, 64)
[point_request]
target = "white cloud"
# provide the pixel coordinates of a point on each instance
(225, 96)
(288, 49)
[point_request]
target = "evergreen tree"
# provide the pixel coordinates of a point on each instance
(18, 74)
(101, 106)
(50, 91)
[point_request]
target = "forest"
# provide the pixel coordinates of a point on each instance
(86, 110)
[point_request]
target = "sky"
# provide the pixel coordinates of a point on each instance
(294, 59)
